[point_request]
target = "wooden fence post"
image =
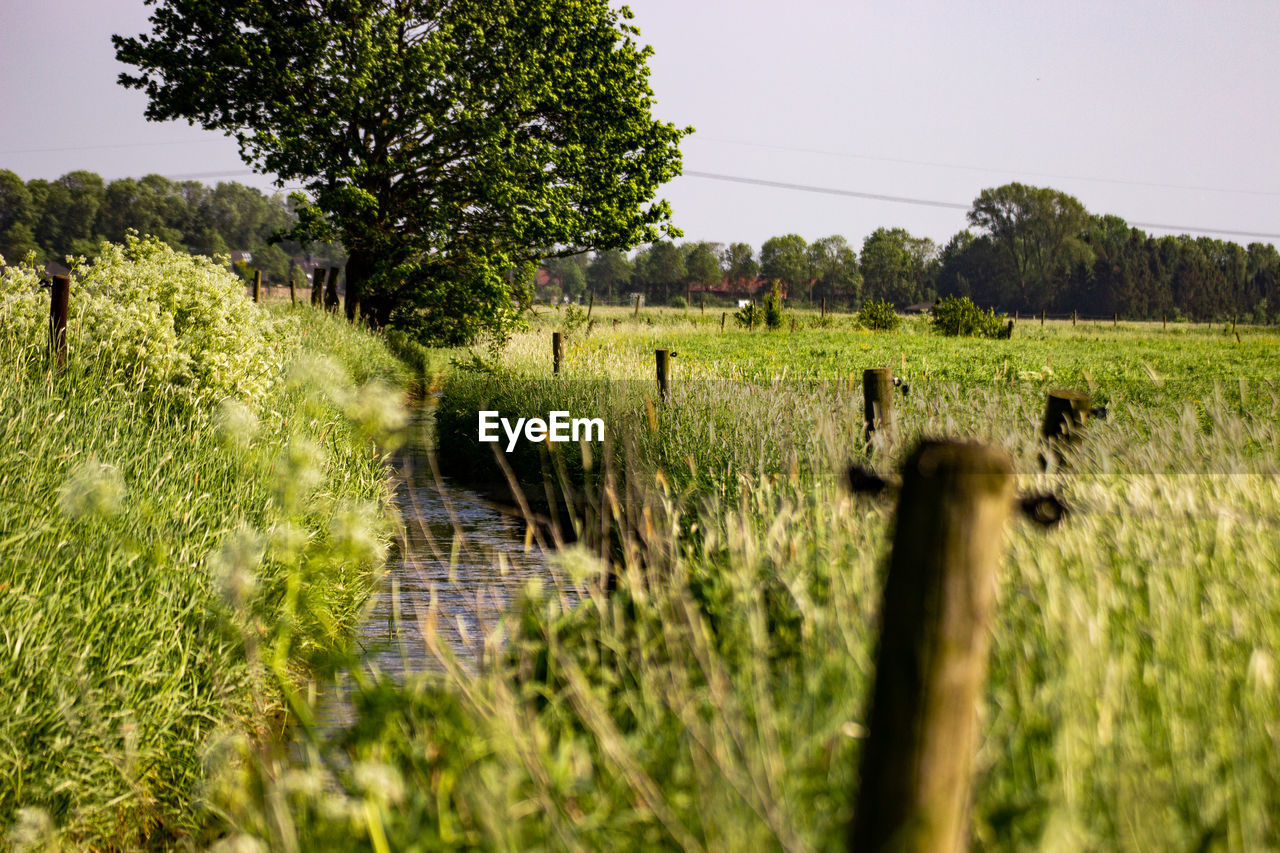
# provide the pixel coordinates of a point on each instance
(931, 661)
(724, 315)
(1042, 318)
(591, 304)
(317, 285)
(1065, 413)
(639, 299)
(59, 307)
(702, 303)
(824, 307)
(1073, 317)
(557, 351)
(257, 285)
(1164, 322)
(877, 401)
(663, 358)
(1115, 320)
(293, 293)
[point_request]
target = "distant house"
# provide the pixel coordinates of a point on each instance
(918, 308)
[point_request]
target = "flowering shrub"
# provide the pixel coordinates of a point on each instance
(174, 323)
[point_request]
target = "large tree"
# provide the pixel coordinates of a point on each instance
(1041, 232)
(446, 143)
(660, 270)
(740, 265)
(609, 272)
(896, 266)
(702, 265)
(786, 259)
(834, 265)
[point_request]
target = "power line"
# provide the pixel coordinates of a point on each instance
(194, 175)
(950, 205)
(987, 169)
(782, 185)
(108, 145)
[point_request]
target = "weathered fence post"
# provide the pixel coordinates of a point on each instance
(663, 358)
(1115, 320)
(59, 306)
(639, 299)
(557, 351)
(702, 303)
(1065, 413)
(1164, 322)
(1073, 317)
(317, 285)
(931, 661)
(293, 293)
(877, 401)
(1042, 318)
(331, 291)
(724, 315)
(824, 308)
(257, 285)
(591, 304)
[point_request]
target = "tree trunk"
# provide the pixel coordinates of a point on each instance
(360, 266)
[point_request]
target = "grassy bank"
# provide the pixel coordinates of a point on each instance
(193, 502)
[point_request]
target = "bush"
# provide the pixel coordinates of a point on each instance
(748, 316)
(957, 315)
(176, 325)
(878, 315)
(678, 302)
(773, 308)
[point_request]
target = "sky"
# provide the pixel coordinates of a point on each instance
(1163, 113)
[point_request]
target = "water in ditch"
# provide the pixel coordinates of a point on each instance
(461, 565)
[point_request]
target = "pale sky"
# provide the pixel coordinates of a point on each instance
(1159, 112)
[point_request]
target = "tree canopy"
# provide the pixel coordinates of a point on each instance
(785, 259)
(445, 143)
(1040, 231)
(896, 266)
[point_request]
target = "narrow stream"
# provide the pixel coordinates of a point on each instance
(461, 563)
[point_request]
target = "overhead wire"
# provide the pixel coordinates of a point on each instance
(988, 169)
(951, 205)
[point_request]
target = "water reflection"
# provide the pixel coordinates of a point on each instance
(460, 566)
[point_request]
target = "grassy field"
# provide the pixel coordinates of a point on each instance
(716, 700)
(191, 516)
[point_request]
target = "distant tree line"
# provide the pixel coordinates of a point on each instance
(1028, 249)
(73, 214)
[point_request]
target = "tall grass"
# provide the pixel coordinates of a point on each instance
(716, 699)
(199, 494)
